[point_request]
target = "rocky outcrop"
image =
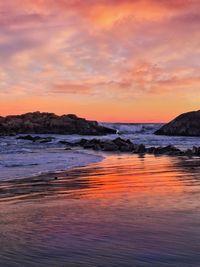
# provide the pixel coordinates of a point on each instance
(122, 145)
(49, 123)
(187, 124)
(117, 144)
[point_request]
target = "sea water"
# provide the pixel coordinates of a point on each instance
(21, 158)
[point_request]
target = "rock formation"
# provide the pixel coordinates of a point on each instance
(187, 124)
(49, 123)
(122, 145)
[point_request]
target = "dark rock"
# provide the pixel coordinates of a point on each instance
(94, 141)
(109, 146)
(139, 149)
(196, 151)
(29, 138)
(46, 140)
(97, 147)
(188, 153)
(167, 150)
(49, 123)
(36, 138)
(104, 145)
(68, 148)
(88, 144)
(151, 150)
(121, 142)
(123, 145)
(81, 142)
(187, 124)
(65, 143)
(126, 148)
(176, 153)
(12, 134)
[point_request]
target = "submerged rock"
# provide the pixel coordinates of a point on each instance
(151, 150)
(63, 142)
(122, 145)
(46, 140)
(187, 124)
(49, 123)
(36, 138)
(139, 149)
(196, 151)
(167, 150)
(117, 144)
(28, 137)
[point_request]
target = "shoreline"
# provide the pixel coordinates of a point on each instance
(48, 184)
(33, 186)
(36, 186)
(43, 161)
(105, 210)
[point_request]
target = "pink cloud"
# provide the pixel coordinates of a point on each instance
(107, 48)
(71, 88)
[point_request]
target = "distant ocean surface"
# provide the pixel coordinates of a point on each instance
(22, 158)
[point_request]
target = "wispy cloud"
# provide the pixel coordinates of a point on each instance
(100, 50)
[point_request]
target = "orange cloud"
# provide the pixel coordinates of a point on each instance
(101, 53)
(70, 88)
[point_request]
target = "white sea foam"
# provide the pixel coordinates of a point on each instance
(144, 134)
(25, 163)
(132, 128)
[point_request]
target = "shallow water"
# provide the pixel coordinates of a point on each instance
(124, 211)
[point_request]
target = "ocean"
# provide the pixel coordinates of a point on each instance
(104, 209)
(19, 158)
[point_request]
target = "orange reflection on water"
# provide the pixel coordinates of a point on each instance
(129, 178)
(128, 175)
(126, 209)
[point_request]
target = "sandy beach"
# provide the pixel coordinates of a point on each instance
(124, 211)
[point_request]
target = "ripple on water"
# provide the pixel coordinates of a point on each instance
(124, 211)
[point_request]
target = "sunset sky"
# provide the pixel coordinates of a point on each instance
(109, 60)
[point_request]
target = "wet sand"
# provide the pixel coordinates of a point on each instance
(124, 211)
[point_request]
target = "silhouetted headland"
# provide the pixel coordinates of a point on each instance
(50, 123)
(186, 124)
